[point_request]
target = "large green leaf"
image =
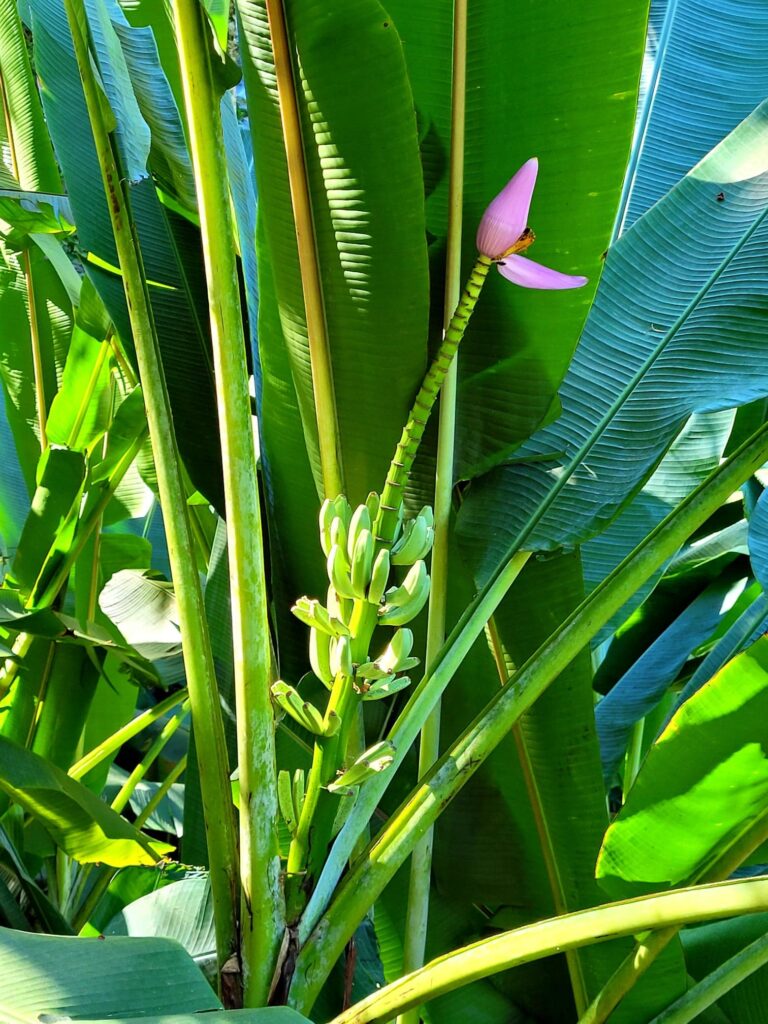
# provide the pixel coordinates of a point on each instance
(702, 785)
(182, 911)
(81, 978)
(358, 125)
(678, 326)
(522, 61)
(32, 152)
(709, 71)
(76, 819)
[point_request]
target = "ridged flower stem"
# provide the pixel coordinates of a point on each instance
(198, 660)
(410, 439)
(263, 910)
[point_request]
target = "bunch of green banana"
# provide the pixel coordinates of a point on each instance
(416, 539)
(290, 797)
(301, 711)
(403, 603)
(372, 761)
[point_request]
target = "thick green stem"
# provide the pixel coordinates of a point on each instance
(419, 811)
(263, 912)
(413, 431)
(717, 984)
(201, 677)
(501, 952)
(421, 860)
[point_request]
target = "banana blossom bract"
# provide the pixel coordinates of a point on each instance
(503, 225)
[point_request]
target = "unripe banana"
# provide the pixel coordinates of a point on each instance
(285, 801)
(362, 562)
(339, 533)
(332, 724)
(361, 520)
(342, 509)
(379, 576)
(312, 613)
(320, 655)
(427, 514)
(341, 656)
(338, 607)
(301, 711)
(377, 759)
(404, 603)
(370, 670)
(386, 687)
(298, 791)
(396, 655)
(415, 542)
(339, 572)
(373, 501)
(327, 514)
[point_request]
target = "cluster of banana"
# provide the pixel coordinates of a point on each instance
(359, 598)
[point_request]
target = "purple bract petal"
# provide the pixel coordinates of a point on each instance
(528, 274)
(506, 217)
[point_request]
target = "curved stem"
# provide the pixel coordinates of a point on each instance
(532, 942)
(421, 859)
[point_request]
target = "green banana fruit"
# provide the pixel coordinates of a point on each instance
(339, 571)
(313, 614)
(373, 501)
(385, 687)
(361, 520)
(285, 801)
(362, 562)
(298, 791)
(379, 576)
(372, 761)
(301, 711)
(339, 534)
(396, 654)
(341, 656)
(415, 542)
(320, 655)
(339, 607)
(404, 603)
(327, 515)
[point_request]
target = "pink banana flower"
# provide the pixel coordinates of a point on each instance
(503, 233)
